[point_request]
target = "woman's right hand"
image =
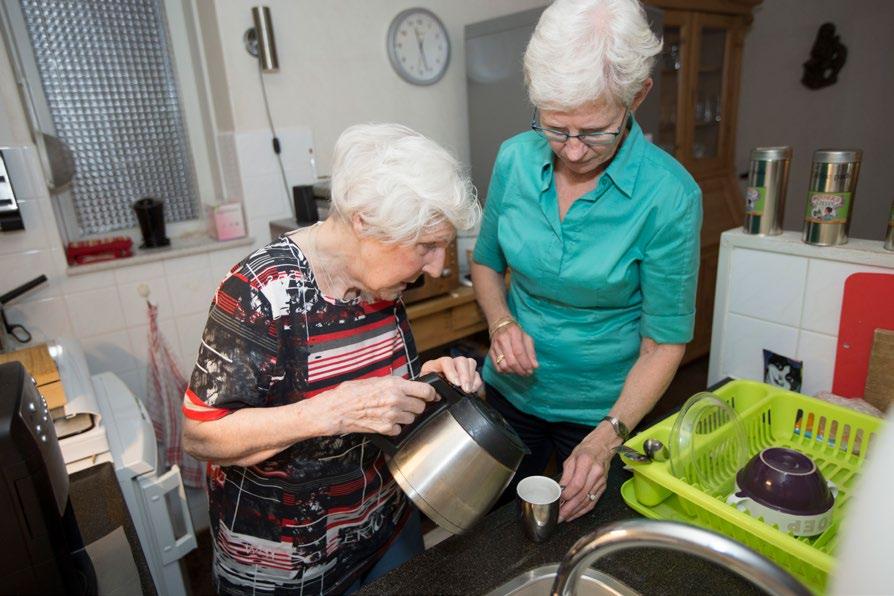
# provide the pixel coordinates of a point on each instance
(512, 351)
(379, 405)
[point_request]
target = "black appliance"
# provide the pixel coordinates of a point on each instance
(305, 204)
(43, 552)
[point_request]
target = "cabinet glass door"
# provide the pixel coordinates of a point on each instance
(670, 72)
(709, 93)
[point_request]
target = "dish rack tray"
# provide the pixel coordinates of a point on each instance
(836, 438)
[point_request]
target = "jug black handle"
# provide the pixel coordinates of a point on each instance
(449, 395)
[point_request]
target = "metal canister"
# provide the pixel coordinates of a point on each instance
(830, 196)
(889, 237)
(765, 195)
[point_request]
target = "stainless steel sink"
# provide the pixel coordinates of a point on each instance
(540, 581)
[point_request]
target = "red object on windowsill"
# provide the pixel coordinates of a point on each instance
(98, 249)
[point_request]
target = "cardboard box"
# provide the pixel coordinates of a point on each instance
(226, 221)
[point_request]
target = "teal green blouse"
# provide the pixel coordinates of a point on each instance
(621, 266)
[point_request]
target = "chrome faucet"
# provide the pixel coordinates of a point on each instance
(673, 536)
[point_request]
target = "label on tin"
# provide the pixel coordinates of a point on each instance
(754, 200)
(827, 207)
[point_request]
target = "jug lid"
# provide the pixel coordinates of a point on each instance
(489, 430)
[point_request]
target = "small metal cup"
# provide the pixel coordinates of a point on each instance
(538, 498)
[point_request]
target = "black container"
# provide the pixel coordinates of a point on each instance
(151, 215)
(305, 204)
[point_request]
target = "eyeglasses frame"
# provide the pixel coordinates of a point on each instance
(581, 137)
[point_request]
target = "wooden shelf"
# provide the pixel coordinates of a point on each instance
(441, 320)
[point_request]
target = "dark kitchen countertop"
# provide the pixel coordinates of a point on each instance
(496, 551)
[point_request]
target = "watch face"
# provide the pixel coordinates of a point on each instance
(418, 46)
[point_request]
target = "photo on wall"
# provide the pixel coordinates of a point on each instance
(782, 371)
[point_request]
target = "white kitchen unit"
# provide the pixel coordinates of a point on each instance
(778, 293)
(121, 433)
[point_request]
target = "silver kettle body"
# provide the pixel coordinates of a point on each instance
(456, 459)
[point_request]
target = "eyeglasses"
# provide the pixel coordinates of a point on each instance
(590, 139)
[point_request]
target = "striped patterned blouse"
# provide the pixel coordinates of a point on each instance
(314, 517)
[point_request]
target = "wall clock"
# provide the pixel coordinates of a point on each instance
(418, 46)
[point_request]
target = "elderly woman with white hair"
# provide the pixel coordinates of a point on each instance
(307, 349)
(600, 229)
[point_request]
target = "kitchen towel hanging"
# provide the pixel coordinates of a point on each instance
(165, 388)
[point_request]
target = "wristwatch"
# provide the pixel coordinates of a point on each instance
(620, 429)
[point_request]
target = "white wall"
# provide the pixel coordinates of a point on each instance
(776, 109)
(334, 68)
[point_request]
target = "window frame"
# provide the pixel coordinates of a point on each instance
(192, 81)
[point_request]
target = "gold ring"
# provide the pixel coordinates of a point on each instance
(500, 358)
(592, 496)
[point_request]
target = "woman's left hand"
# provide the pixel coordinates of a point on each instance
(460, 371)
(584, 476)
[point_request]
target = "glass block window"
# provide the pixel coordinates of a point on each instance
(107, 73)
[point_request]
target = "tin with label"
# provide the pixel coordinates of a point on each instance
(830, 196)
(765, 195)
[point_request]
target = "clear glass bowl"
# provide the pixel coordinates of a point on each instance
(708, 444)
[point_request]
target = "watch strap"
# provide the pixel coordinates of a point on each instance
(619, 427)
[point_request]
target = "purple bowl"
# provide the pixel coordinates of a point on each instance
(785, 480)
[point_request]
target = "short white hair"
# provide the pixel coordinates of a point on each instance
(583, 51)
(402, 183)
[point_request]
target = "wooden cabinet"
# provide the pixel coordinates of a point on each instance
(698, 72)
(438, 321)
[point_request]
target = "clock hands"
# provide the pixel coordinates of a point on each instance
(421, 45)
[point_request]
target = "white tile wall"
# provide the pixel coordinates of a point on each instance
(825, 288)
(744, 357)
(767, 286)
(21, 267)
(45, 319)
(33, 237)
(192, 292)
(265, 195)
(134, 305)
(786, 297)
(95, 312)
(817, 352)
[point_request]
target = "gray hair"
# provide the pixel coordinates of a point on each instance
(401, 182)
(585, 50)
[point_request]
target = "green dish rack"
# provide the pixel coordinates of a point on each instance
(836, 438)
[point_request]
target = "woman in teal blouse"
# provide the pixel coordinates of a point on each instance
(600, 229)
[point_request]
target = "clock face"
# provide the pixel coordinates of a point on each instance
(418, 46)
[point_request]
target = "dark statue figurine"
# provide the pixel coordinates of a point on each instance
(826, 58)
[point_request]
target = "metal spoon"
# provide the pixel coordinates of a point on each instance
(632, 454)
(655, 450)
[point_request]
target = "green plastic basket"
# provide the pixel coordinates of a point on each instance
(836, 438)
